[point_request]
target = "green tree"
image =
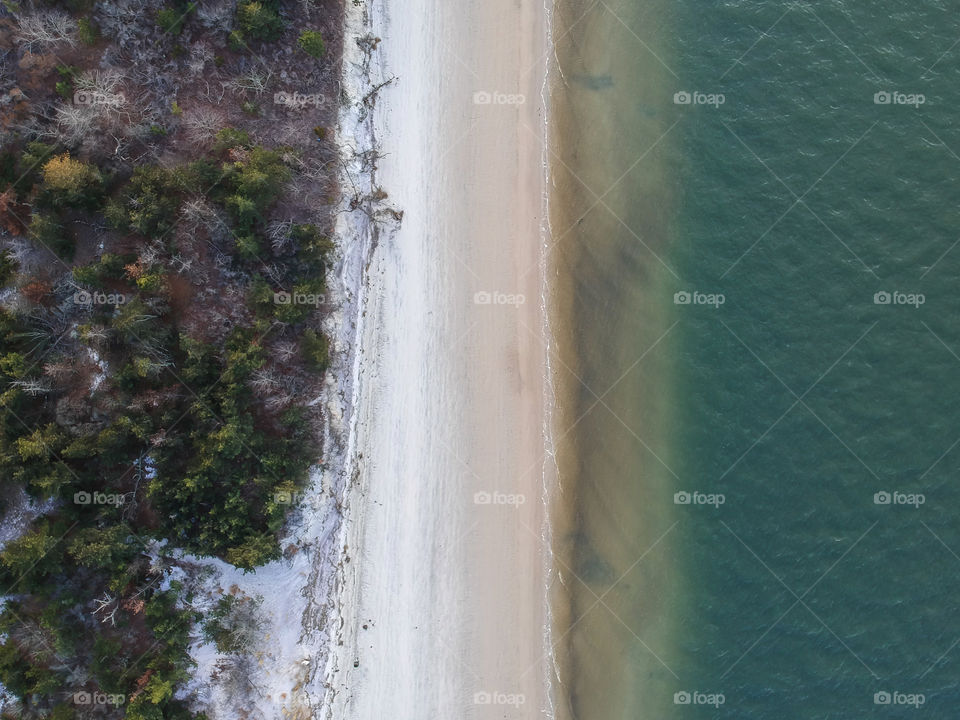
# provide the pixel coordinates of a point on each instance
(151, 203)
(253, 552)
(171, 18)
(48, 232)
(259, 20)
(31, 554)
(93, 547)
(311, 42)
(315, 350)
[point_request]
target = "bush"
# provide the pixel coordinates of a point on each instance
(311, 42)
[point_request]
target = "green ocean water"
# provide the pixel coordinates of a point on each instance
(800, 397)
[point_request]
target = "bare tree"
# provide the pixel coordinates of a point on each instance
(74, 122)
(106, 82)
(216, 14)
(255, 81)
(202, 124)
(32, 387)
(47, 29)
(108, 606)
(200, 55)
(284, 350)
(279, 233)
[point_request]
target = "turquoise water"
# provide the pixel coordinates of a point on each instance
(799, 397)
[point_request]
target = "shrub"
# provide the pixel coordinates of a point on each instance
(311, 42)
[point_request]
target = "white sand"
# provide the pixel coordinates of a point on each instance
(451, 393)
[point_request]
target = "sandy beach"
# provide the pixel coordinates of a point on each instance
(444, 600)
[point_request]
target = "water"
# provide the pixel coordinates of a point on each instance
(799, 398)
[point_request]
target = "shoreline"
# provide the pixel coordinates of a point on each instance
(464, 590)
(615, 515)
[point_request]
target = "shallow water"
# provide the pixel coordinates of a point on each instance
(798, 398)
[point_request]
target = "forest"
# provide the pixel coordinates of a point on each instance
(164, 242)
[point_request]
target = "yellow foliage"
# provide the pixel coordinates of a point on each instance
(64, 173)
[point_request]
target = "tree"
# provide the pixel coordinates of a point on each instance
(71, 183)
(259, 20)
(10, 214)
(254, 551)
(315, 350)
(171, 19)
(151, 203)
(229, 137)
(311, 42)
(47, 29)
(232, 623)
(49, 232)
(30, 554)
(92, 547)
